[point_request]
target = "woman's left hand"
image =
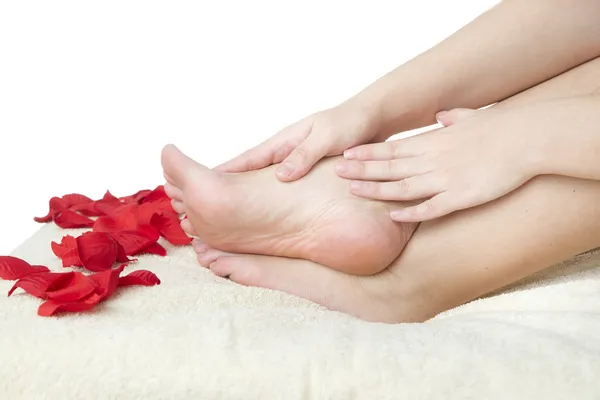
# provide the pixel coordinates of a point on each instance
(477, 157)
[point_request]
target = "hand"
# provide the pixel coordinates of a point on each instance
(479, 158)
(301, 145)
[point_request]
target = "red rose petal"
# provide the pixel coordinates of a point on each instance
(122, 218)
(137, 197)
(107, 281)
(121, 254)
(106, 224)
(170, 228)
(74, 199)
(66, 250)
(68, 219)
(88, 209)
(80, 286)
(154, 248)
(140, 277)
(74, 202)
(38, 284)
(56, 205)
(44, 219)
(12, 268)
(135, 241)
(156, 195)
(146, 211)
(52, 307)
(108, 204)
(97, 251)
(108, 196)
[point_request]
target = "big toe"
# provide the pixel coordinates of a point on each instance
(301, 278)
(177, 165)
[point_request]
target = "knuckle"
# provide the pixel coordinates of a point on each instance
(389, 168)
(394, 147)
(404, 185)
(361, 169)
(302, 153)
(429, 207)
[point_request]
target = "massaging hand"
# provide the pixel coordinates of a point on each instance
(480, 156)
(301, 145)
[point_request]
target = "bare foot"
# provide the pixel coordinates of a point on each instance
(315, 218)
(383, 297)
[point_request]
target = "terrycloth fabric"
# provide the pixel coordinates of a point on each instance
(197, 336)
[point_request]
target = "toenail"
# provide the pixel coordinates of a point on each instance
(285, 170)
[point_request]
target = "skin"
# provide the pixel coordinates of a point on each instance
(525, 42)
(315, 218)
(508, 147)
(475, 251)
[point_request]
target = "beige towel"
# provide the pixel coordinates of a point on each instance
(197, 336)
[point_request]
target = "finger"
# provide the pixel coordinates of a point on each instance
(413, 188)
(271, 151)
(438, 206)
(383, 151)
(257, 157)
(454, 116)
(391, 170)
(303, 157)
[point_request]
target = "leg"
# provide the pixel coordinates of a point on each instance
(457, 258)
(315, 218)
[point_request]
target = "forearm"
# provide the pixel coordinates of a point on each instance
(566, 137)
(510, 48)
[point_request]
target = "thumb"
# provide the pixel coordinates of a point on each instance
(302, 158)
(454, 116)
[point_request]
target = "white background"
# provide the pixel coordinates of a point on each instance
(90, 91)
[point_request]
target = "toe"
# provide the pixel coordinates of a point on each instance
(173, 192)
(301, 278)
(199, 246)
(168, 178)
(176, 165)
(209, 256)
(187, 227)
(178, 206)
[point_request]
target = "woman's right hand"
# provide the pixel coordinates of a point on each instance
(300, 146)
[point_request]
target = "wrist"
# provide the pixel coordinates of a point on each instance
(396, 110)
(370, 107)
(536, 153)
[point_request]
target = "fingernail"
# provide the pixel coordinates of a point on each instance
(440, 115)
(350, 154)
(398, 214)
(285, 170)
(341, 167)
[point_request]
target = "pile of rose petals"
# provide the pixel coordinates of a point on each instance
(69, 291)
(121, 227)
